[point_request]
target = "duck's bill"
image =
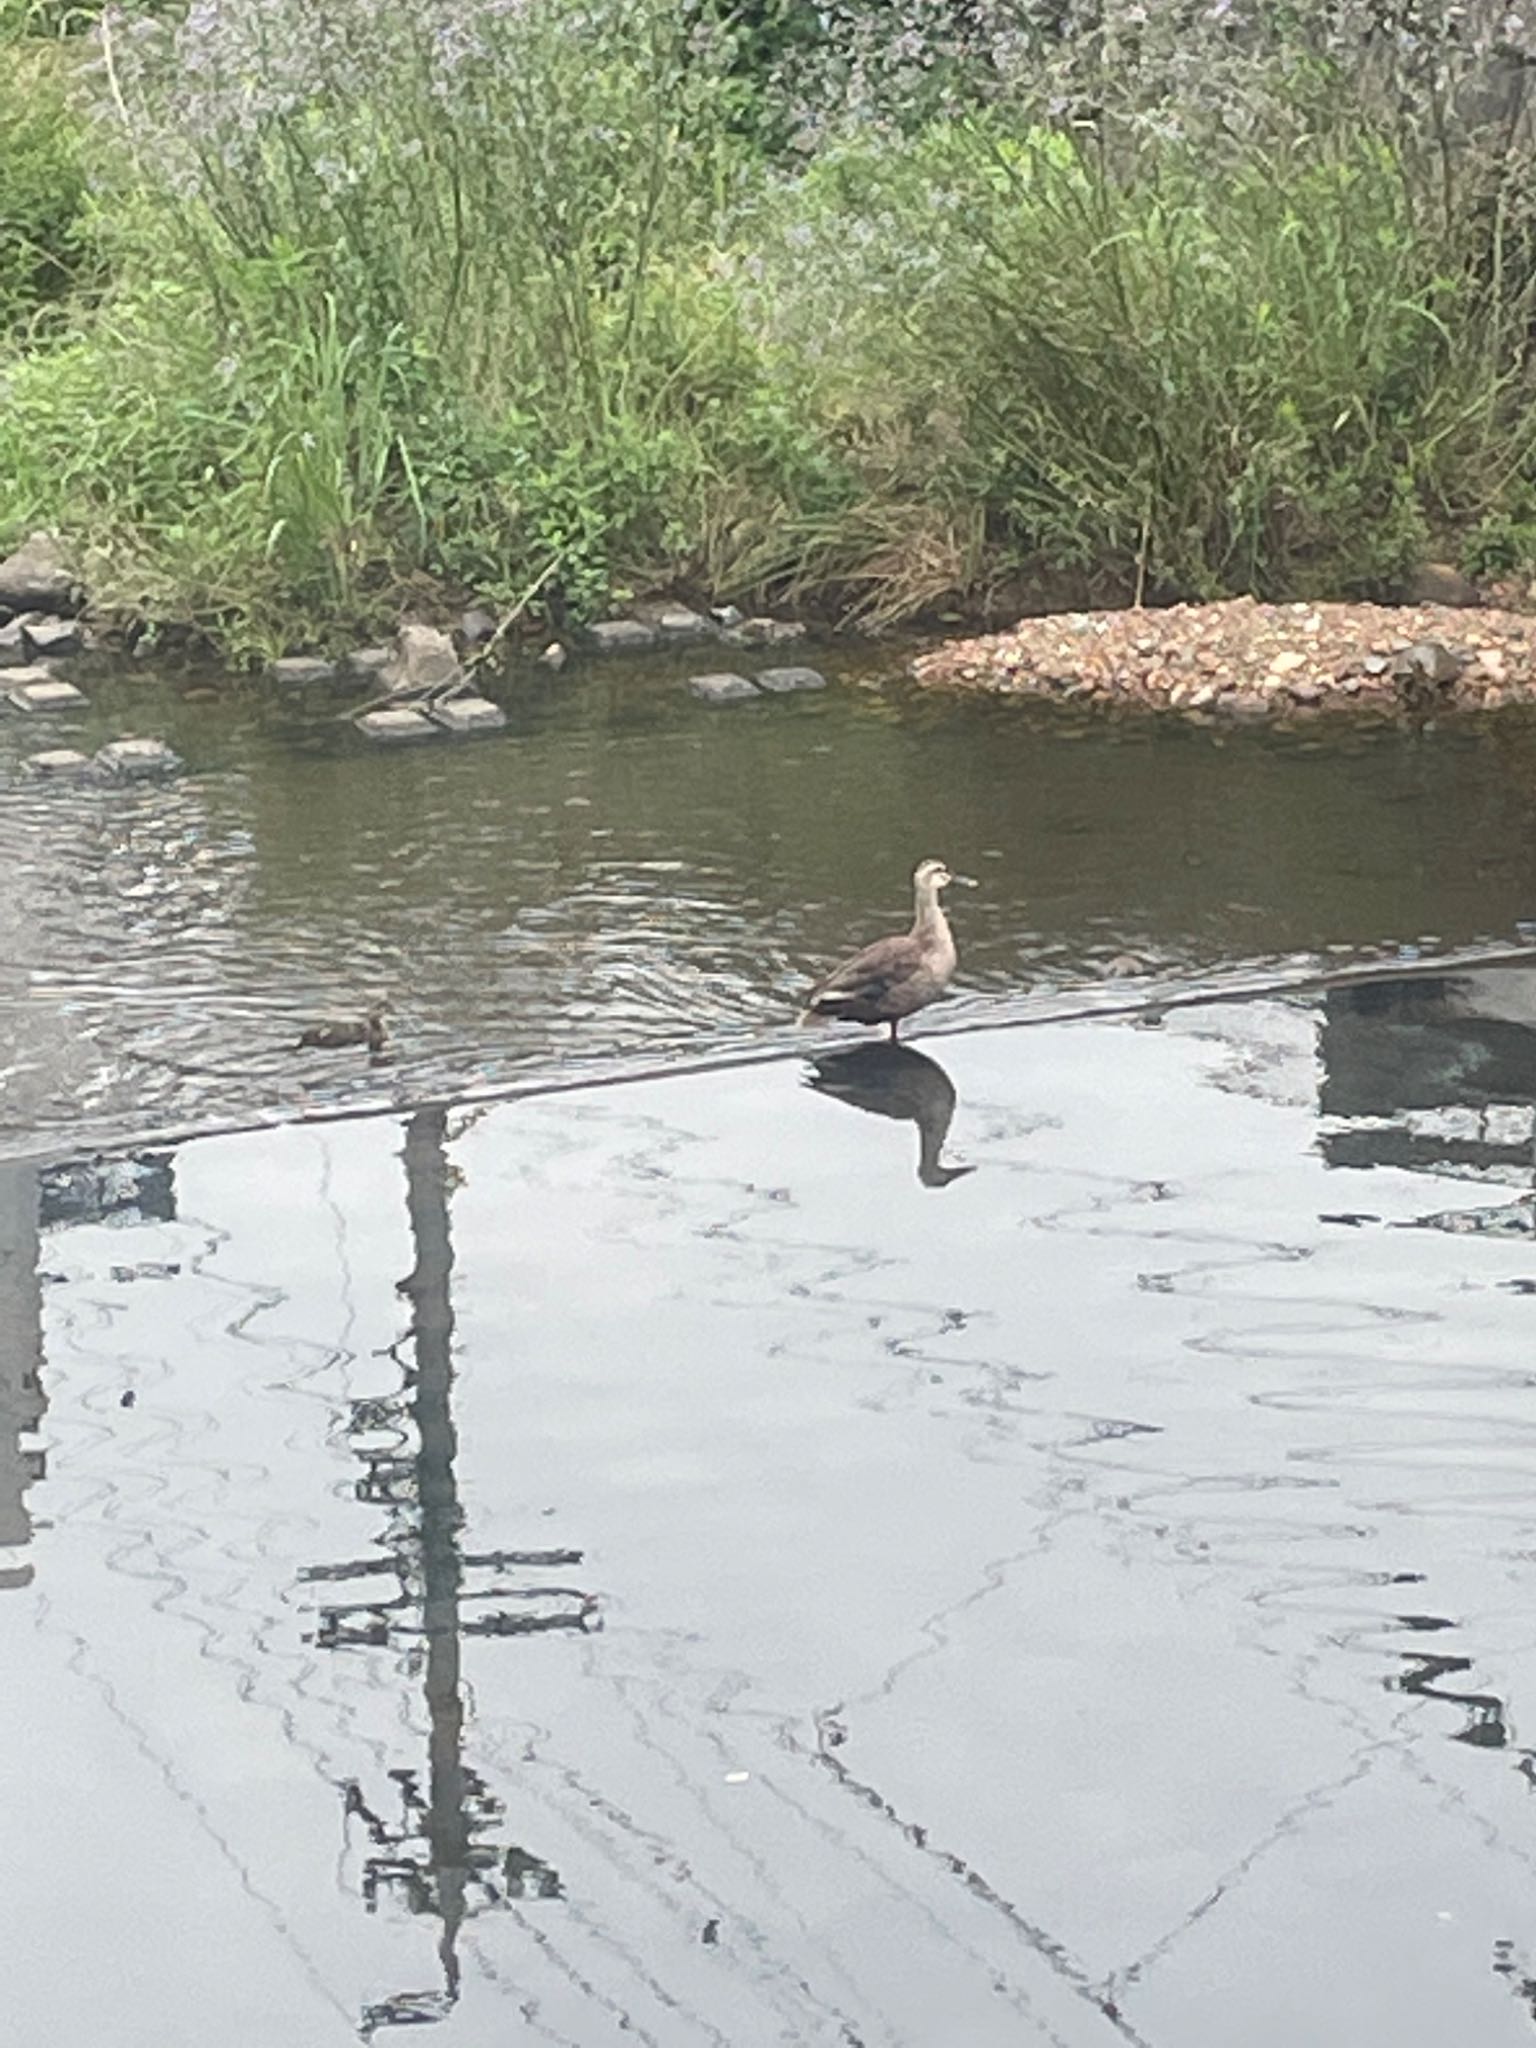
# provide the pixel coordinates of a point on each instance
(966, 881)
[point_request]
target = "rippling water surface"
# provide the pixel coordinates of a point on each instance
(1021, 1539)
(626, 875)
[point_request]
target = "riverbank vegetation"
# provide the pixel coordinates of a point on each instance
(307, 313)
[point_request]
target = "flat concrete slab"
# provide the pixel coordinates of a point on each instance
(621, 636)
(722, 689)
(394, 728)
(469, 714)
(48, 637)
(37, 690)
(299, 670)
(677, 622)
(59, 762)
(780, 681)
(131, 758)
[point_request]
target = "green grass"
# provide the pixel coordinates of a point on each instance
(402, 331)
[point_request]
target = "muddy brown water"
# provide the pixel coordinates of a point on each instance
(1025, 1538)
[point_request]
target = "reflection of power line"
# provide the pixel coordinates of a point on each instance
(435, 1848)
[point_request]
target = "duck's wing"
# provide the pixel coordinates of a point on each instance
(871, 976)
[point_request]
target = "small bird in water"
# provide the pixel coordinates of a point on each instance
(895, 976)
(334, 1032)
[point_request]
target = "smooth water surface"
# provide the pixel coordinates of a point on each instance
(672, 1564)
(626, 876)
(1023, 1538)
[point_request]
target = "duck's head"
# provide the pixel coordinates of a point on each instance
(936, 875)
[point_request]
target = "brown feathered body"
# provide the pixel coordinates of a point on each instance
(896, 976)
(331, 1033)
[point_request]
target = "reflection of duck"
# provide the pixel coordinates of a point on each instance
(895, 976)
(895, 1081)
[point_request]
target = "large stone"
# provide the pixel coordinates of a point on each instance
(722, 689)
(425, 660)
(36, 578)
(34, 689)
(396, 726)
(677, 622)
(621, 636)
(476, 626)
(1439, 583)
(469, 714)
(300, 671)
(133, 758)
(779, 681)
(59, 762)
(1429, 662)
(49, 638)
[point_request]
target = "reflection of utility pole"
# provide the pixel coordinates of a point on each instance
(436, 1856)
(21, 1354)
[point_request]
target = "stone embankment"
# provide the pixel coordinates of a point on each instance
(1245, 660)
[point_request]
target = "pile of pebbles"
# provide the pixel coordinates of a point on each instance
(1245, 660)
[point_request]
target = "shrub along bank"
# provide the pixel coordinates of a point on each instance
(309, 314)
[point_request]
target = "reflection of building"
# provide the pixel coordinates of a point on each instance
(432, 1832)
(21, 1352)
(1433, 1072)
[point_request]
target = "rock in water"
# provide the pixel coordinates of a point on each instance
(780, 680)
(468, 714)
(297, 671)
(621, 636)
(722, 689)
(36, 578)
(393, 726)
(137, 757)
(34, 689)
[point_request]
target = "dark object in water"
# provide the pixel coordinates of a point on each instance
(330, 1033)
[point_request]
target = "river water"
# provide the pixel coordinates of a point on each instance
(650, 1526)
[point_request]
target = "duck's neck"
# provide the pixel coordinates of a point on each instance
(928, 919)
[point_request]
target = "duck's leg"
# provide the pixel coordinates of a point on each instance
(894, 1022)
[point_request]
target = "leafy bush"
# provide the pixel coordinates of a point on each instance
(875, 309)
(43, 243)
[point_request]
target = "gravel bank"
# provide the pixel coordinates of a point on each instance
(1245, 660)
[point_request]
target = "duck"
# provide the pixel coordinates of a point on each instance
(898, 975)
(331, 1033)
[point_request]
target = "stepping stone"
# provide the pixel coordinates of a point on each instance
(131, 758)
(677, 622)
(726, 615)
(369, 661)
(299, 670)
(469, 714)
(781, 680)
(621, 636)
(722, 689)
(49, 637)
(395, 726)
(34, 689)
(59, 761)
